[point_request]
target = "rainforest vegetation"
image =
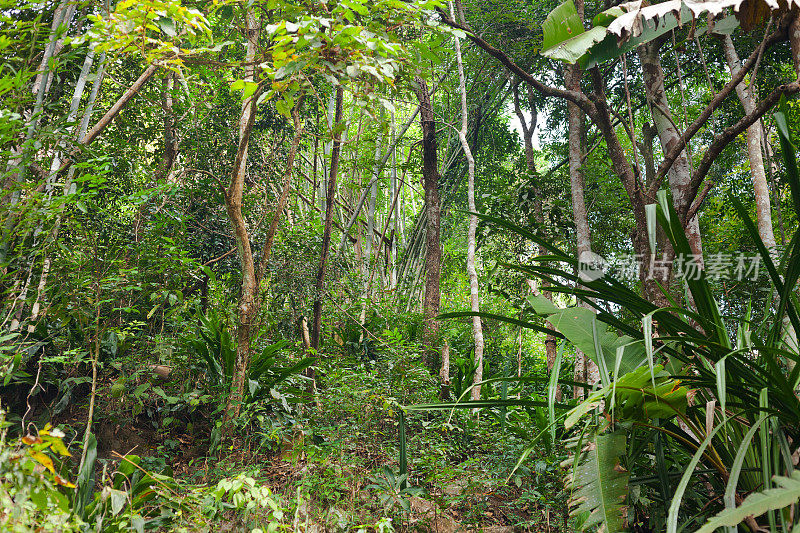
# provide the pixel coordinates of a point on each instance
(399, 265)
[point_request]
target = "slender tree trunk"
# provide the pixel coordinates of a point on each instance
(287, 183)
(376, 172)
(326, 151)
(15, 169)
(433, 255)
(247, 310)
(56, 163)
(316, 325)
(393, 215)
(754, 140)
(373, 199)
(758, 171)
(474, 291)
(370, 262)
(586, 370)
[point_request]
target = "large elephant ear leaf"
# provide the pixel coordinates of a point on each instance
(599, 484)
(624, 27)
(564, 36)
(785, 494)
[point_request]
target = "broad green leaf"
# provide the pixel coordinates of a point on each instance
(582, 408)
(561, 24)
(249, 89)
(167, 25)
(600, 484)
(575, 48)
(575, 323)
(118, 500)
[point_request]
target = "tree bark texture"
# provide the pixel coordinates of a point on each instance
(474, 290)
(247, 309)
(586, 370)
(754, 140)
(287, 185)
(679, 175)
(433, 255)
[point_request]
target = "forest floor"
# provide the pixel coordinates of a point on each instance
(333, 464)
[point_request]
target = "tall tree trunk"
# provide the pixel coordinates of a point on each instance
(316, 326)
(16, 169)
(433, 255)
(326, 151)
(370, 262)
(393, 215)
(54, 166)
(754, 140)
(62, 16)
(586, 370)
(758, 171)
(247, 310)
(680, 172)
(474, 291)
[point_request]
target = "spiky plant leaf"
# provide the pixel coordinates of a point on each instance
(599, 484)
(785, 494)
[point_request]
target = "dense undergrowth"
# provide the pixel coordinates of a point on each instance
(299, 459)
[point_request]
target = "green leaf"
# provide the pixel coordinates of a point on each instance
(283, 108)
(785, 494)
(137, 522)
(561, 24)
(167, 25)
(85, 480)
(582, 408)
(572, 50)
(575, 323)
(118, 500)
(249, 90)
(600, 483)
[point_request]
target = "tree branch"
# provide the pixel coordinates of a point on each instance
(576, 97)
(702, 118)
(110, 115)
(723, 139)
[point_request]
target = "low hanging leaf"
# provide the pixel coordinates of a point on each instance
(785, 494)
(575, 323)
(600, 484)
